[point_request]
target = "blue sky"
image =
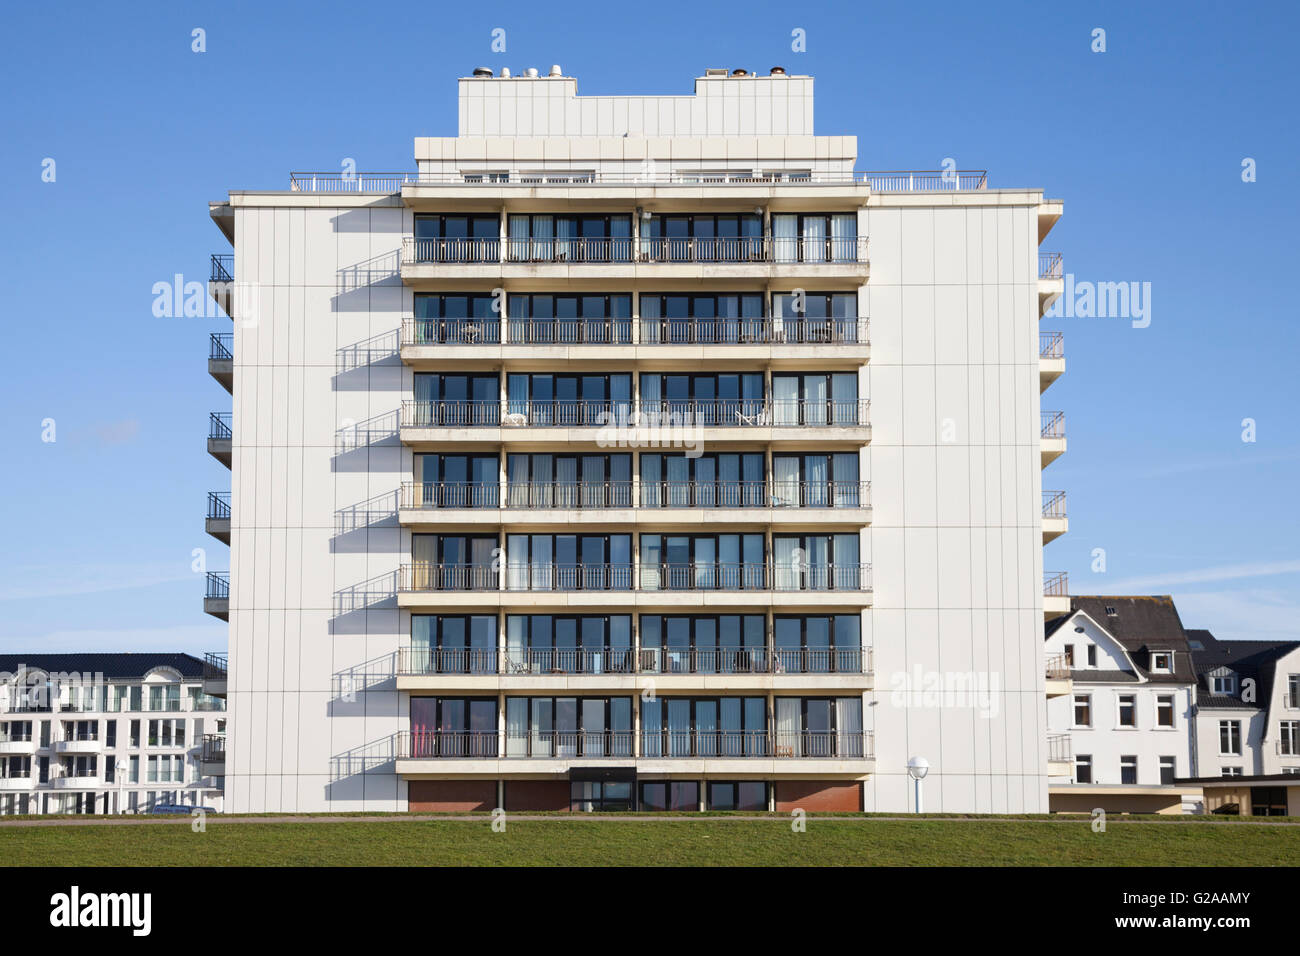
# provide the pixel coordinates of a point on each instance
(1144, 142)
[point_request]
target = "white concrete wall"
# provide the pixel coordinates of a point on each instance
(955, 540)
(1210, 762)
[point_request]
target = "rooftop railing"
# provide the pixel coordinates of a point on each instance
(883, 181)
(424, 744)
(1053, 424)
(221, 346)
(1054, 504)
(1051, 265)
(778, 250)
(223, 268)
(1051, 345)
(1056, 584)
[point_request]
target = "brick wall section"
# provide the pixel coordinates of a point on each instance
(817, 795)
(451, 796)
(537, 795)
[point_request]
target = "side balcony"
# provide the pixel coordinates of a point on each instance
(1051, 280)
(707, 753)
(664, 342)
(1060, 755)
(220, 437)
(216, 596)
(215, 673)
(625, 505)
(18, 781)
(1055, 522)
(75, 744)
(1057, 673)
(1056, 594)
(221, 359)
(217, 522)
(212, 755)
(1052, 440)
(1051, 358)
(17, 745)
(221, 281)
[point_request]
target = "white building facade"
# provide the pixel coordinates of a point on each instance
(107, 733)
(636, 452)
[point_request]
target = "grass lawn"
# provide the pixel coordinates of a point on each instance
(692, 842)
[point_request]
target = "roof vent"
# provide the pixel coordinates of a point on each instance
(555, 70)
(715, 72)
(505, 72)
(482, 71)
(531, 72)
(740, 71)
(777, 71)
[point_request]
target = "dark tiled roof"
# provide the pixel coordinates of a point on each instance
(1103, 677)
(1254, 659)
(1209, 701)
(112, 666)
(1143, 623)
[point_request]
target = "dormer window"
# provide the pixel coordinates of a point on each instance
(1110, 610)
(1162, 662)
(1225, 684)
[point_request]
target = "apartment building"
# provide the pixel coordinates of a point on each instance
(636, 452)
(107, 733)
(1120, 722)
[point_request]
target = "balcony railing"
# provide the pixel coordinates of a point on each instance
(1051, 265)
(879, 181)
(683, 576)
(1053, 424)
(1059, 748)
(214, 748)
(215, 665)
(223, 268)
(654, 744)
(754, 660)
(584, 495)
(1051, 345)
(787, 250)
(221, 346)
(423, 495)
(1056, 584)
(218, 585)
(219, 425)
(541, 662)
(715, 413)
(619, 331)
(753, 331)
(1054, 504)
(219, 505)
(1057, 667)
(422, 576)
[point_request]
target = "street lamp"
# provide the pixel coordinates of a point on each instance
(917, 768)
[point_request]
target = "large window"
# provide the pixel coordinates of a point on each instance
(569, 727)
(446, 399)
(818, 480)
(818, 644)
(1289, 738)
(815, 237)
(704, 238)
(600, 796)
(1128, 768)
(567, 644)
(817, 399)
(457, 238)
(571, 319)
(705, 319)
(706, 398)
(817, 317)
(668, 795)
(456, 318)
(456, 481)
(1127, 710)
(704, 727)
(568, 399)
(569, 562)
(816, 562)
(723, 480)
(721, 562)
(569, 481)
(1230, 737)
(722, 644)
(737, 795)
(453, 727)
(453, 562)
(819, 727)
(1165, 710)
(550, 238)
(1083, 710)
(453, 644)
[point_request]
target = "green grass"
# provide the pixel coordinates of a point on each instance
(829, 841)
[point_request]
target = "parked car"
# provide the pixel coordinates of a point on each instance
(177, 809)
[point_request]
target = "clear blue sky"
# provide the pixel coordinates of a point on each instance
(1143, 142)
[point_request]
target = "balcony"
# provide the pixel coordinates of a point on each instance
(217, 522)
(17, 746)
(777, 341)
(220, 437)
(1052, 441)
(668, 585)
(91, 782)
(1051, 358)
(564, 669)
(425, 752)
(1056, 594)
(1057, 673)
(1060, 756)
(627, 504)
(215, 667)
(17, 782)
(212, 755)
(759, 257)
(78, 744)
(221, 359)
(1051, 280)
(216, 597)
(221, 281)
(653, 424)
(1055, 522)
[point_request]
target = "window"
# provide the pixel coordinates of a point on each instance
(568, 562)
(704, 238)
(1083, 768)
(705, 398)
(815, 237)
(571, 319)
(1092, 655)
(135, 733)
(1083, 710)
(1232, 771)
(453, 727)
(1127, 710)
(453, 563)
(110, 734)
(452, 644)
(1268, 801)
(719, 480)
(817, 644)
(816, 562)
(1165, 710)
(567, 644)
(1293, 691)
(455, 481)
(738, 795)
(1110, 610)
(568, 399)
(1225, 684)
(816, 481)
(681, 644)
(1162, 662)
(595, 796)
(1289, 738)
(722, 562)
(587, 238)
(457, 238)
(444, 399)
(664, 795)
(568, 727)
(1128, 769)
(823, 317)
(468, 318)
(546, 480)
(1069, 654)
(815, 399)
(705, 727)
(1230, 737)
(1167, 770)
(683, 318)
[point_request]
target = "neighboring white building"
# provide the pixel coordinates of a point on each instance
(454, 583)
(1120, 730)
(107, 733)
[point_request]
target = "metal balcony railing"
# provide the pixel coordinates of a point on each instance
(424, 576)
(779, 250)
(1057, 667)
(15, 737)
(218, 585)
(905, 180)
(223, 268)
(1056, 584)
(219, 425)
(683, 576)
(219, 505)
(542, 662)
(578, 495)
(619, 331)
(742, 413)
(221, 346)
(1054, 504)
(568, 577)
(446, 660)
(214, 748)
(753, 331)
(1059, 748)
(581, 413)
(574, 250)
(81, 736)
(439, 494)
(1051, 345)
(1051, 265)
(469, 251)
(422, 744)
(215, 665)
(1053, 424)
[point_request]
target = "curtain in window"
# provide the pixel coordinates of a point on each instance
(542, 247)
(516, 726)
(785, 399)
(784, 238)
(650, 316)
(651, 477)
(678, 479)
(816, 393)
(848, 727)
(787, 727)
(566, 246)
(818, 559)
(516, 642)
(651, 557)
(542, 563)
(651, 393)
(566, 482)
(785, 570)
(846, 493)
(517, 562)
(844, 398)
(785, 481)
(814, 239)
(848, 576)
(816, 476)
(518, 483)
(518, 232)
(481, 557)
(844, 247)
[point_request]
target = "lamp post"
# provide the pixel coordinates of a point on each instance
(917, 768)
